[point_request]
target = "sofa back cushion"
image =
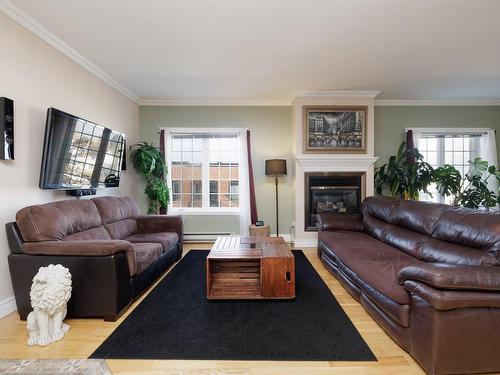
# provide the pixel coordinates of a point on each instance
(56, 220)
(118, 215)
(113, 209)
(434, 232)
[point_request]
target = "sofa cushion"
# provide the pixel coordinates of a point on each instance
(473, 228)
(374, 262)
(434, 232)
(122, 229)
(114, 209)
(145, 255)
(54, 221)
(166, 239)
(99, 233)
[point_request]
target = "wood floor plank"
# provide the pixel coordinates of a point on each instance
(86, 335)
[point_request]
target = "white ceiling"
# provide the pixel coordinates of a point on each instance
(265, 49)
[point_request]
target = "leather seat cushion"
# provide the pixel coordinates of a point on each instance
(166, 239)
(373, 262)
(146, 254)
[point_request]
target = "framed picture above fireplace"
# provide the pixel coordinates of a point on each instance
(333, 129)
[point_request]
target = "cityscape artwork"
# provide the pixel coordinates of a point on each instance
(334, 129)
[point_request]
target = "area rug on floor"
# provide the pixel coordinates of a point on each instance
(175, 321)
(54, 366)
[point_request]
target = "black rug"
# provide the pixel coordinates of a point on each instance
(175, 321)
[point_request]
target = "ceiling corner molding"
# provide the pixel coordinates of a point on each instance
(213, 103)
(335, 94)
(24, 19)
(436, 103)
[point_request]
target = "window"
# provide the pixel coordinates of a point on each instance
(448, 147)
(204, 170)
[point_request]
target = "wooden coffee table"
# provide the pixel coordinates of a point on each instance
(250, 268)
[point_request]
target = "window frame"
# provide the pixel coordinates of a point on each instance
(205, 209)
(441, 134)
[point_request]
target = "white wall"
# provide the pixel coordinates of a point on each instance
(37, 76)
(324, 162)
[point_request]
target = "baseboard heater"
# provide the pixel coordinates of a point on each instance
(194, 237)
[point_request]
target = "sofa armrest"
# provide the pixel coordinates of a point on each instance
(331, 221)
(441, 299)
(160, 223)
(83, 248)
(448, 276)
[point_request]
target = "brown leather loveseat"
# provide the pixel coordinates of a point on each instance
(112, 252)
(428, 273)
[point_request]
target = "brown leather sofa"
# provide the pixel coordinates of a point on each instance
(428, 273)
(112, 252)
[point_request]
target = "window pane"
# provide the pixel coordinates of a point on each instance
(224, 200)
(458, 144)
(214, 187)
(176, 200)
(186, 200)
(187, 153)
(176, 157)
(214, 200)
(176, 144)
(176, 187)
(197, 187)
(197, 200)
(187, 144)
(431, 144)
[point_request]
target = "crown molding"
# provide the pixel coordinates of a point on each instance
(24, 19)
(436, 103)
(335, 94)
(213, 103)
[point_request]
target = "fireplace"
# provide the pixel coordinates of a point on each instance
(331, 192)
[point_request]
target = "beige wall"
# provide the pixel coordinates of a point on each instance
(271, 137)
(36, 76)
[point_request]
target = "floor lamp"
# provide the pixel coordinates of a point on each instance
(276, 167)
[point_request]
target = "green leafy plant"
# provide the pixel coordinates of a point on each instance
(472, 189)
(150, 164)
(405, 175)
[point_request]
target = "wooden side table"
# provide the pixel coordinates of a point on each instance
(259, 231)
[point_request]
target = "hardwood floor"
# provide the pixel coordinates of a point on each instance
(85, 336)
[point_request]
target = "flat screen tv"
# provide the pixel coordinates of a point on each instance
(79, 154)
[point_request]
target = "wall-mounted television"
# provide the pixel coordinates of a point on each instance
(79, 154)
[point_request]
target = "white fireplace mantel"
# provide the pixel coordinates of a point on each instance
(322, 162)
(336, 163)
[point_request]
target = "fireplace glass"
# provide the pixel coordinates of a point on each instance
(331, 193)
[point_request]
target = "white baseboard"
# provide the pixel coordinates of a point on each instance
(211, 237)
(305, 242)
(7, 306)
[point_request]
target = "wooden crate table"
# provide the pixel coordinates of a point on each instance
(250, 268)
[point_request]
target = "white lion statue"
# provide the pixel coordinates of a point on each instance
(50, 291)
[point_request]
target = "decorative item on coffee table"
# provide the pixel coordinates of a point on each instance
(250, 268)
(259, 230)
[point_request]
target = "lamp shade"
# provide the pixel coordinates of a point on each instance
(275, 167)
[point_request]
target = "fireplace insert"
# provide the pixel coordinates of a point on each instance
(331, 191)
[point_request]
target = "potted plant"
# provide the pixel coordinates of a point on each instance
(150, 164)
(405, 175)
(472, 189)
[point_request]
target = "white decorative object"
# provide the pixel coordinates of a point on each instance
(50, 292)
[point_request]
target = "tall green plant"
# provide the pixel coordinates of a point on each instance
(150, 164)
(405, 175)
(472, 189)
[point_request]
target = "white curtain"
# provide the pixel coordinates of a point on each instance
(244, 186)
(488, 152)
